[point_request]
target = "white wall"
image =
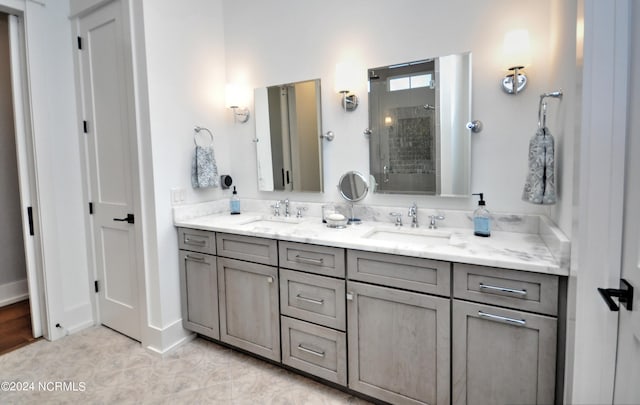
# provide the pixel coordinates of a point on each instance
(273, 42)
(564, 120)
(184, 50)
(55, 133)
(12, 261)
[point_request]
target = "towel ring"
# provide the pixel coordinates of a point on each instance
(195, 139)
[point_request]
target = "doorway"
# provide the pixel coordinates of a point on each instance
(22, 309)
(13, 268)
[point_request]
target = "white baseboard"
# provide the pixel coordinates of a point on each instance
(13, 292)
(164, 340)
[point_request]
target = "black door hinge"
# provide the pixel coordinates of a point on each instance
(90, 208)
(79, 42)
(30, 216)
(95, 285)
(85, 127)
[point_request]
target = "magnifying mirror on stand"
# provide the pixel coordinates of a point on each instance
(353, 188)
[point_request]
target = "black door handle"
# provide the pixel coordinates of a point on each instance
(624, 294)
(128, 219)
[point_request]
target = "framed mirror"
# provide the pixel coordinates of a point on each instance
(418, 113)
(288, 144)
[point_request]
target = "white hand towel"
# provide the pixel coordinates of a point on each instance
(539, 187)
(204, 170)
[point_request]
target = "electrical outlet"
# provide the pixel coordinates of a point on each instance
(178, 196)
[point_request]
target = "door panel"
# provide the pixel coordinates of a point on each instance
(106, 70)
(502, 356)
(116, 282)
(399, 347)
(627, 389)
(249, 312)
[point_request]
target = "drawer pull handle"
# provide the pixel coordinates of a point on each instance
(311, 300)
(310, 351)
(196, 258)
(197, 242)
(503, 289)
(519, 322)
(309, 260)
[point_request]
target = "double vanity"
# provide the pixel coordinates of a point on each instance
(399, 314)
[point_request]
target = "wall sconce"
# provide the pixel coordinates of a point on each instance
(346, 79)
(517, 55)
(236, 99)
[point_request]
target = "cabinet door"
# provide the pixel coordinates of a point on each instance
(502, 356)
(398, 344)
(249, 315)
(199, 293)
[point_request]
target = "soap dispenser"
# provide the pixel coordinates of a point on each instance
(235, 202)
(481, 218)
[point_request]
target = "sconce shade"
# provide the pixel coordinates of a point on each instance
(346, 77)
(516, 49)
(236, 96)
(346, 81)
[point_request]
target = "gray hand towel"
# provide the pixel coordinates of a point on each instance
(204, 171)
(540, 187)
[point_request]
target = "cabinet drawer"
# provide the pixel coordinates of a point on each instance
(324, 260)
(197, 240)
(313, 298)
(524, 290)
(411, 273)
(314, 349)
(249, 248)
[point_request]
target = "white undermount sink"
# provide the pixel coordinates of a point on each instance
(272, 222)
(409, 235)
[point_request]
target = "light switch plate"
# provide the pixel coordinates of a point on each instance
(178, 196)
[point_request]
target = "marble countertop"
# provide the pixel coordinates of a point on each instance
(542, 252)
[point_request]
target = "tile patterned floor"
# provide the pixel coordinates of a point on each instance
(105, 367)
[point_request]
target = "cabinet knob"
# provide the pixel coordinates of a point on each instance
(269, 279)
(349, 296)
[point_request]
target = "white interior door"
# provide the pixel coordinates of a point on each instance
(106, 70)
(26, 176)
(627, 381)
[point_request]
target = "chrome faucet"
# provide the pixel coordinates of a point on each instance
(432, 221)
(413, 214)
(398, 217)
(299, 211)
(287, 214)
(276, 209)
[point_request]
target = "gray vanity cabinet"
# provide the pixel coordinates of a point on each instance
(503, 355)
(399, 344)
(399, 341)
(199, 293)
(249, 314)
(312, 304)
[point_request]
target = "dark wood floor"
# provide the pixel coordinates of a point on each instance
(15, 326)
